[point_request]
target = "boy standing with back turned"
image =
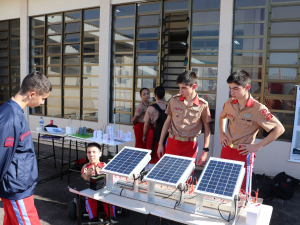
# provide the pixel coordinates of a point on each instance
(246, 116)
(186, 114)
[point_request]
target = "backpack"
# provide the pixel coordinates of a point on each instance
(159, 125)
(285, 186)
(265, 185)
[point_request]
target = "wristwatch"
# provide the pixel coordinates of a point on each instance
(206, 149)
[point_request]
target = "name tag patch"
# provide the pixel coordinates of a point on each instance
(178, 109)
(248, 115)
(9, 142)
(229, 115)
(196, 109)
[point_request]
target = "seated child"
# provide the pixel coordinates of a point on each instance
(90, 169)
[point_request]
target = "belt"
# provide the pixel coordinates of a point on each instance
(234, 146)
(182, 138)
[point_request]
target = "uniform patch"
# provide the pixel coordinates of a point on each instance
(138, 110)
(248, 115)
(263, 112)
(196, 109)
(230, 115)
(178, 109)
(26, 134)
(268, 117)
(9, 142)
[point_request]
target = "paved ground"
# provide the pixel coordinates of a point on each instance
(52, 199)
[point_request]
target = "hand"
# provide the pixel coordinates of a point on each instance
(91, 171)
(248, 148)
(144, 139)
(160, 151)
(223, 140)
(202, 159)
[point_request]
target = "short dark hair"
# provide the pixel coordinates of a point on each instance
(93, 144)
(188, 78)
(159, 92)
(36, 81)
(143, 89)
(239, 77)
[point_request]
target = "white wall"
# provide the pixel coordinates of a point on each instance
(9, 9)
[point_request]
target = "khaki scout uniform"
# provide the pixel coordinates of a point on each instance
(186, 124)
(243, 125)
(151, 116)
(139, 126)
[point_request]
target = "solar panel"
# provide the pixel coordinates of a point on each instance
(128, 161)
(220, 178)
(171, 170)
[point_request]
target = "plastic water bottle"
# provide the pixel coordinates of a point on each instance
(41, 122)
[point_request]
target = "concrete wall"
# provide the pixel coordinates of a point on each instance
(271, 160)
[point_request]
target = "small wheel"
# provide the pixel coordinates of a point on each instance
(72, 211)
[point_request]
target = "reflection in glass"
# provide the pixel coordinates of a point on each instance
(71, 70)
(122, 106)
(123, 59)
(247, 58)
(3, 53)
(211, 72)
(148, 83)
(56, 39)
(72, 27)
(53, 50)
(91, 59)
(210, 98)
(123, 70)
(285, 12)
(123, 82)
(206, 85)
(40, 69)
(127, 10)
(246, 3)
(37, 41)
(90, 92)
(53, 101)
(38, 21)
(54, 29)
(71, 92)
(91, 25)
(4, 25)
(91, 36)
(283, 73)
(207, 30)
(123, 35)
(54, 81)
(90, 70)
(54, 18)
(248, 44)
(37, 61)
(4, 35)
(90, 81)
(53, 70)
(3, 62)
(124, 22)
(147, 45)
(39, 31)
(72, 37)
(250, 29)
(243, 15)
(53, 60)
(71, 112)
(15, 71)
(204, 4)
(206, 17)
(90, 48)
(147, 71)
(204, 58)
(14, 52)
(123, 46)
(284, 58)
(15, 33)
(15, 43)
(281, 88)
(15, 80)
(151, 20)
(4, 98)
(72, 103)
(91, 14)
(147, 58)
(284, 43)
(3, 44)
(15, 89)
(205, 44)
(285, 28)
(148, 32)
(122, 94)
(3, 71)
(72, 48)
(71, 81)
(176, 5)
(122, 118)
(149, 8)
(72, 16)
(71, 59)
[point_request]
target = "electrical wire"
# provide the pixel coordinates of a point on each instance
(228, 220)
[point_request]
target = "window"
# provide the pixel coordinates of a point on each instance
(266, 45)
(65, 47)
(9, 59)
(151, 48)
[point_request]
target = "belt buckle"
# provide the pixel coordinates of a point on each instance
(230, 145)
(181, 138)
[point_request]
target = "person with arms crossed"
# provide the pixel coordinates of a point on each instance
(245, 116)
(18, 165)
(186, 114)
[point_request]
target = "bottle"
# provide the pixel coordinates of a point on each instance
(41, 123)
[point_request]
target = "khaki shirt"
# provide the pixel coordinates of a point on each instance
(140, 111)
(152, 114)
(87, 166)
(244, 123)
(187, 118)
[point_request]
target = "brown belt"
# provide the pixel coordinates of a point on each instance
(234, 146)
(182, 138)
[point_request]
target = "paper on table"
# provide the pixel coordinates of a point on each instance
(55, 130)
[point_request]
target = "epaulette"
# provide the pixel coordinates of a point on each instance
(202, 100)
(229, 100)
(178, 95)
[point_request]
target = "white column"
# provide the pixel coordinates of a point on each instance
(24, 45)
(224, 65)
(104, 61)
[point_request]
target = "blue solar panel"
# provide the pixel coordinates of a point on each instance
(169, 169)
(220, 178)
(125, 161)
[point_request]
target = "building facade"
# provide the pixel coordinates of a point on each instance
(98, 54)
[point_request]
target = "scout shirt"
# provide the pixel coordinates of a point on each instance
(245, 122)
(152, 114)
(85, 167)
(187, 118)
(140, 111)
